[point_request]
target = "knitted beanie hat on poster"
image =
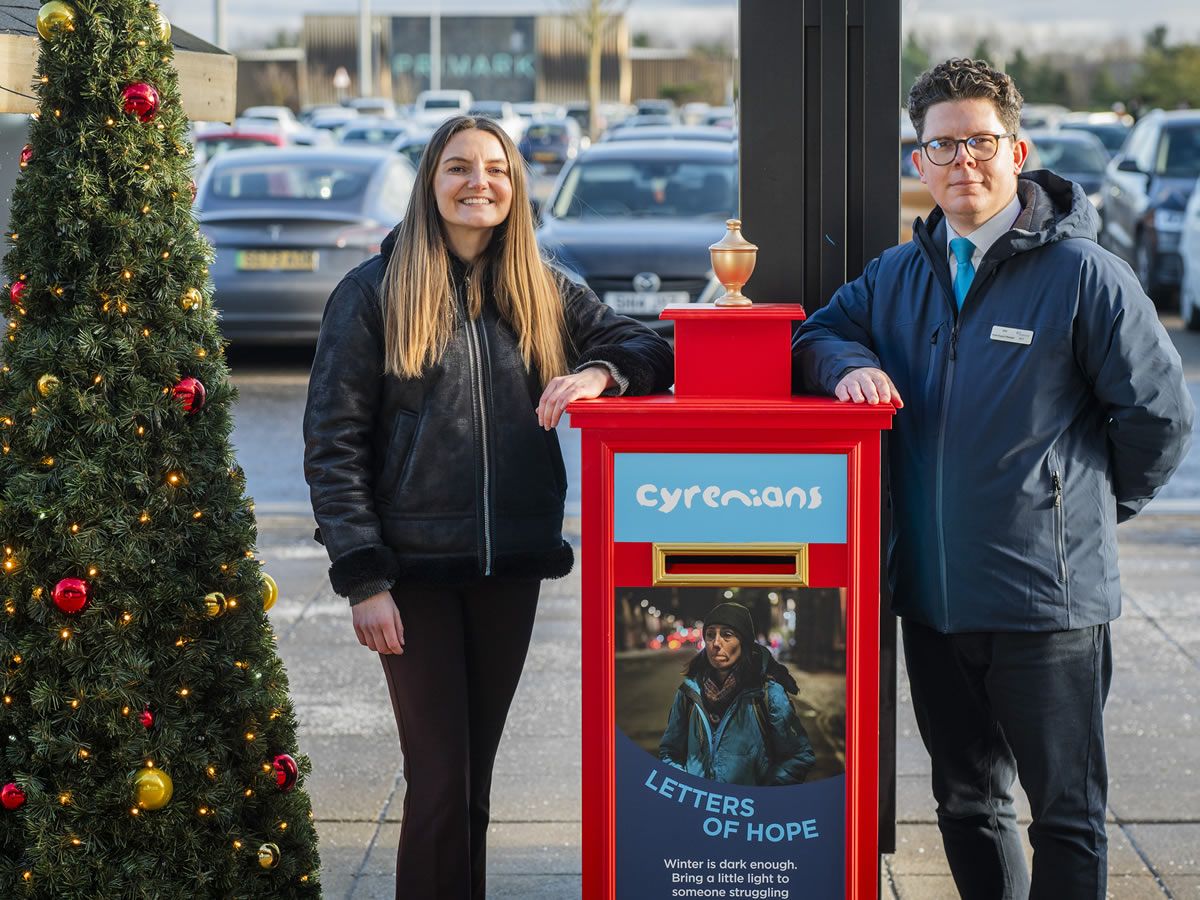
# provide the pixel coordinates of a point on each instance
(736, 617)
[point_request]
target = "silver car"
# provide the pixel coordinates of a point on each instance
(287, 225)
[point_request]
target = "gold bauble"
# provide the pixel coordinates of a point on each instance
(152, 788)
(270, 591)
(214, 604)
(48, 384)
(268, 856)
(164, 26)
(54, 18)
(191, 299)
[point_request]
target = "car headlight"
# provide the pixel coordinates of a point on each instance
(1168, 219)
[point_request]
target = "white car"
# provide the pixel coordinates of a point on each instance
(1189, 249)
(500, 112)
(282, 116)
(435, 107)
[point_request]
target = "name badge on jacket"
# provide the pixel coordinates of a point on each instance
(1011, 335)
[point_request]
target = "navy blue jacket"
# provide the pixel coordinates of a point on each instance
(1011, 463)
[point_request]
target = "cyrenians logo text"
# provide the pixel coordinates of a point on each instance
(666, 499)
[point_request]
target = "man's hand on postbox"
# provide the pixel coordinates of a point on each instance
(586, 385)
(868, 385)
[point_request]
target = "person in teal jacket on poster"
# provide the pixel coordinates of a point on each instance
(732, 720)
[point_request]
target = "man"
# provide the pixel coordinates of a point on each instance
(1041, 403)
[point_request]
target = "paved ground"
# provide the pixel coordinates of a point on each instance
(357, 788)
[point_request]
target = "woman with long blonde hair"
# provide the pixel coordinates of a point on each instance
(443, 366)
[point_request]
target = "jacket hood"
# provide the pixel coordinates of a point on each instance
(1052, 209)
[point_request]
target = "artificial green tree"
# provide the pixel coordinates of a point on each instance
(147, 741)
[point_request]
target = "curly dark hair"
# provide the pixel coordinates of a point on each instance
(964, 79)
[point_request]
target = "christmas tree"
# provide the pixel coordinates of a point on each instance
(147, 742)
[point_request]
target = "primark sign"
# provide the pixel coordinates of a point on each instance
(493, 57)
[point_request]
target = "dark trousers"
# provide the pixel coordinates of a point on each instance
(464, 648)
(990, 704)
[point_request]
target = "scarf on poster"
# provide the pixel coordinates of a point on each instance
(717, 697)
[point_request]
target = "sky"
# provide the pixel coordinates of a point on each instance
(952, 25)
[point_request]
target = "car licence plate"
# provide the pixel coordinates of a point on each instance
(645, 304)
(277, 260)
(544, 156)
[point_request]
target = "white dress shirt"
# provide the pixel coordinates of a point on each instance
(984, 236)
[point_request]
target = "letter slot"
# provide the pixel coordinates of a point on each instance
(735, 565)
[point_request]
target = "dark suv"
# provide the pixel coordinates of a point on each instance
(1145, 191)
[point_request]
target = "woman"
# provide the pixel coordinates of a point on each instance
(732, 720)
(442, 368)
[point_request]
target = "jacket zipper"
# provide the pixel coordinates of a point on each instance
(481, 350)
(476, 366)
(1060, 539)
(941, 453)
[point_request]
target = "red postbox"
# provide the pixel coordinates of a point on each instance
(731, 490)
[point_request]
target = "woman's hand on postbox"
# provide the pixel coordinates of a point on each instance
(377, 624)
(591, 382)
(868, 385)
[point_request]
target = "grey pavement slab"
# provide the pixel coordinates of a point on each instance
(347, 729)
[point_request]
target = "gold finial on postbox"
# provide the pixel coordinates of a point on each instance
(733, 259)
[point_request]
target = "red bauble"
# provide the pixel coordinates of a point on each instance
(12, 797)
(71, 595)
(141, 99)
(286, 772)
(15, 290)
(26, 155)
(146, 717)
(191, 393)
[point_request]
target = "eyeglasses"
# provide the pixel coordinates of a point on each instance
(980, 147)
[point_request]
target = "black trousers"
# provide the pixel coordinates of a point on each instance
(451, 689)
(990, 704)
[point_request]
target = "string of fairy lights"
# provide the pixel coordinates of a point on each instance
(152, 787)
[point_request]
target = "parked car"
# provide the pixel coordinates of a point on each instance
(1146, 189)
(210, 144)
(412, 145)
(1042, 115)
(435, 107)
(371, 132)
(500, 112)
(1110, 128)
(646, 120)
(549, 144)
(333, 121)
(287, 225)
(671, 133)
(382, 107)
(312, 110)
(721, 117)
(634, 219)
(1075, 155)
(1189, 253)
(539, 110)
(282, 116)
(656, 107)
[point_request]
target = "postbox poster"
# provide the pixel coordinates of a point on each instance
(730, 742)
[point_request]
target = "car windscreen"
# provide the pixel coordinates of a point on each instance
(207, 148)
(545, 132)
(370, 135)
(665, 189)
(1179, 152)
(335, 185)
(1071, 156)
(1111, 136)
(435, 103)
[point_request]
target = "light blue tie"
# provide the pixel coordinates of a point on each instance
(963, 250)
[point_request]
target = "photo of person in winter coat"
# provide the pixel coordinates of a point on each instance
(443, 365)
(732, 720)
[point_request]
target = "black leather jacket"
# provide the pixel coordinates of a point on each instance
(447, 477)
